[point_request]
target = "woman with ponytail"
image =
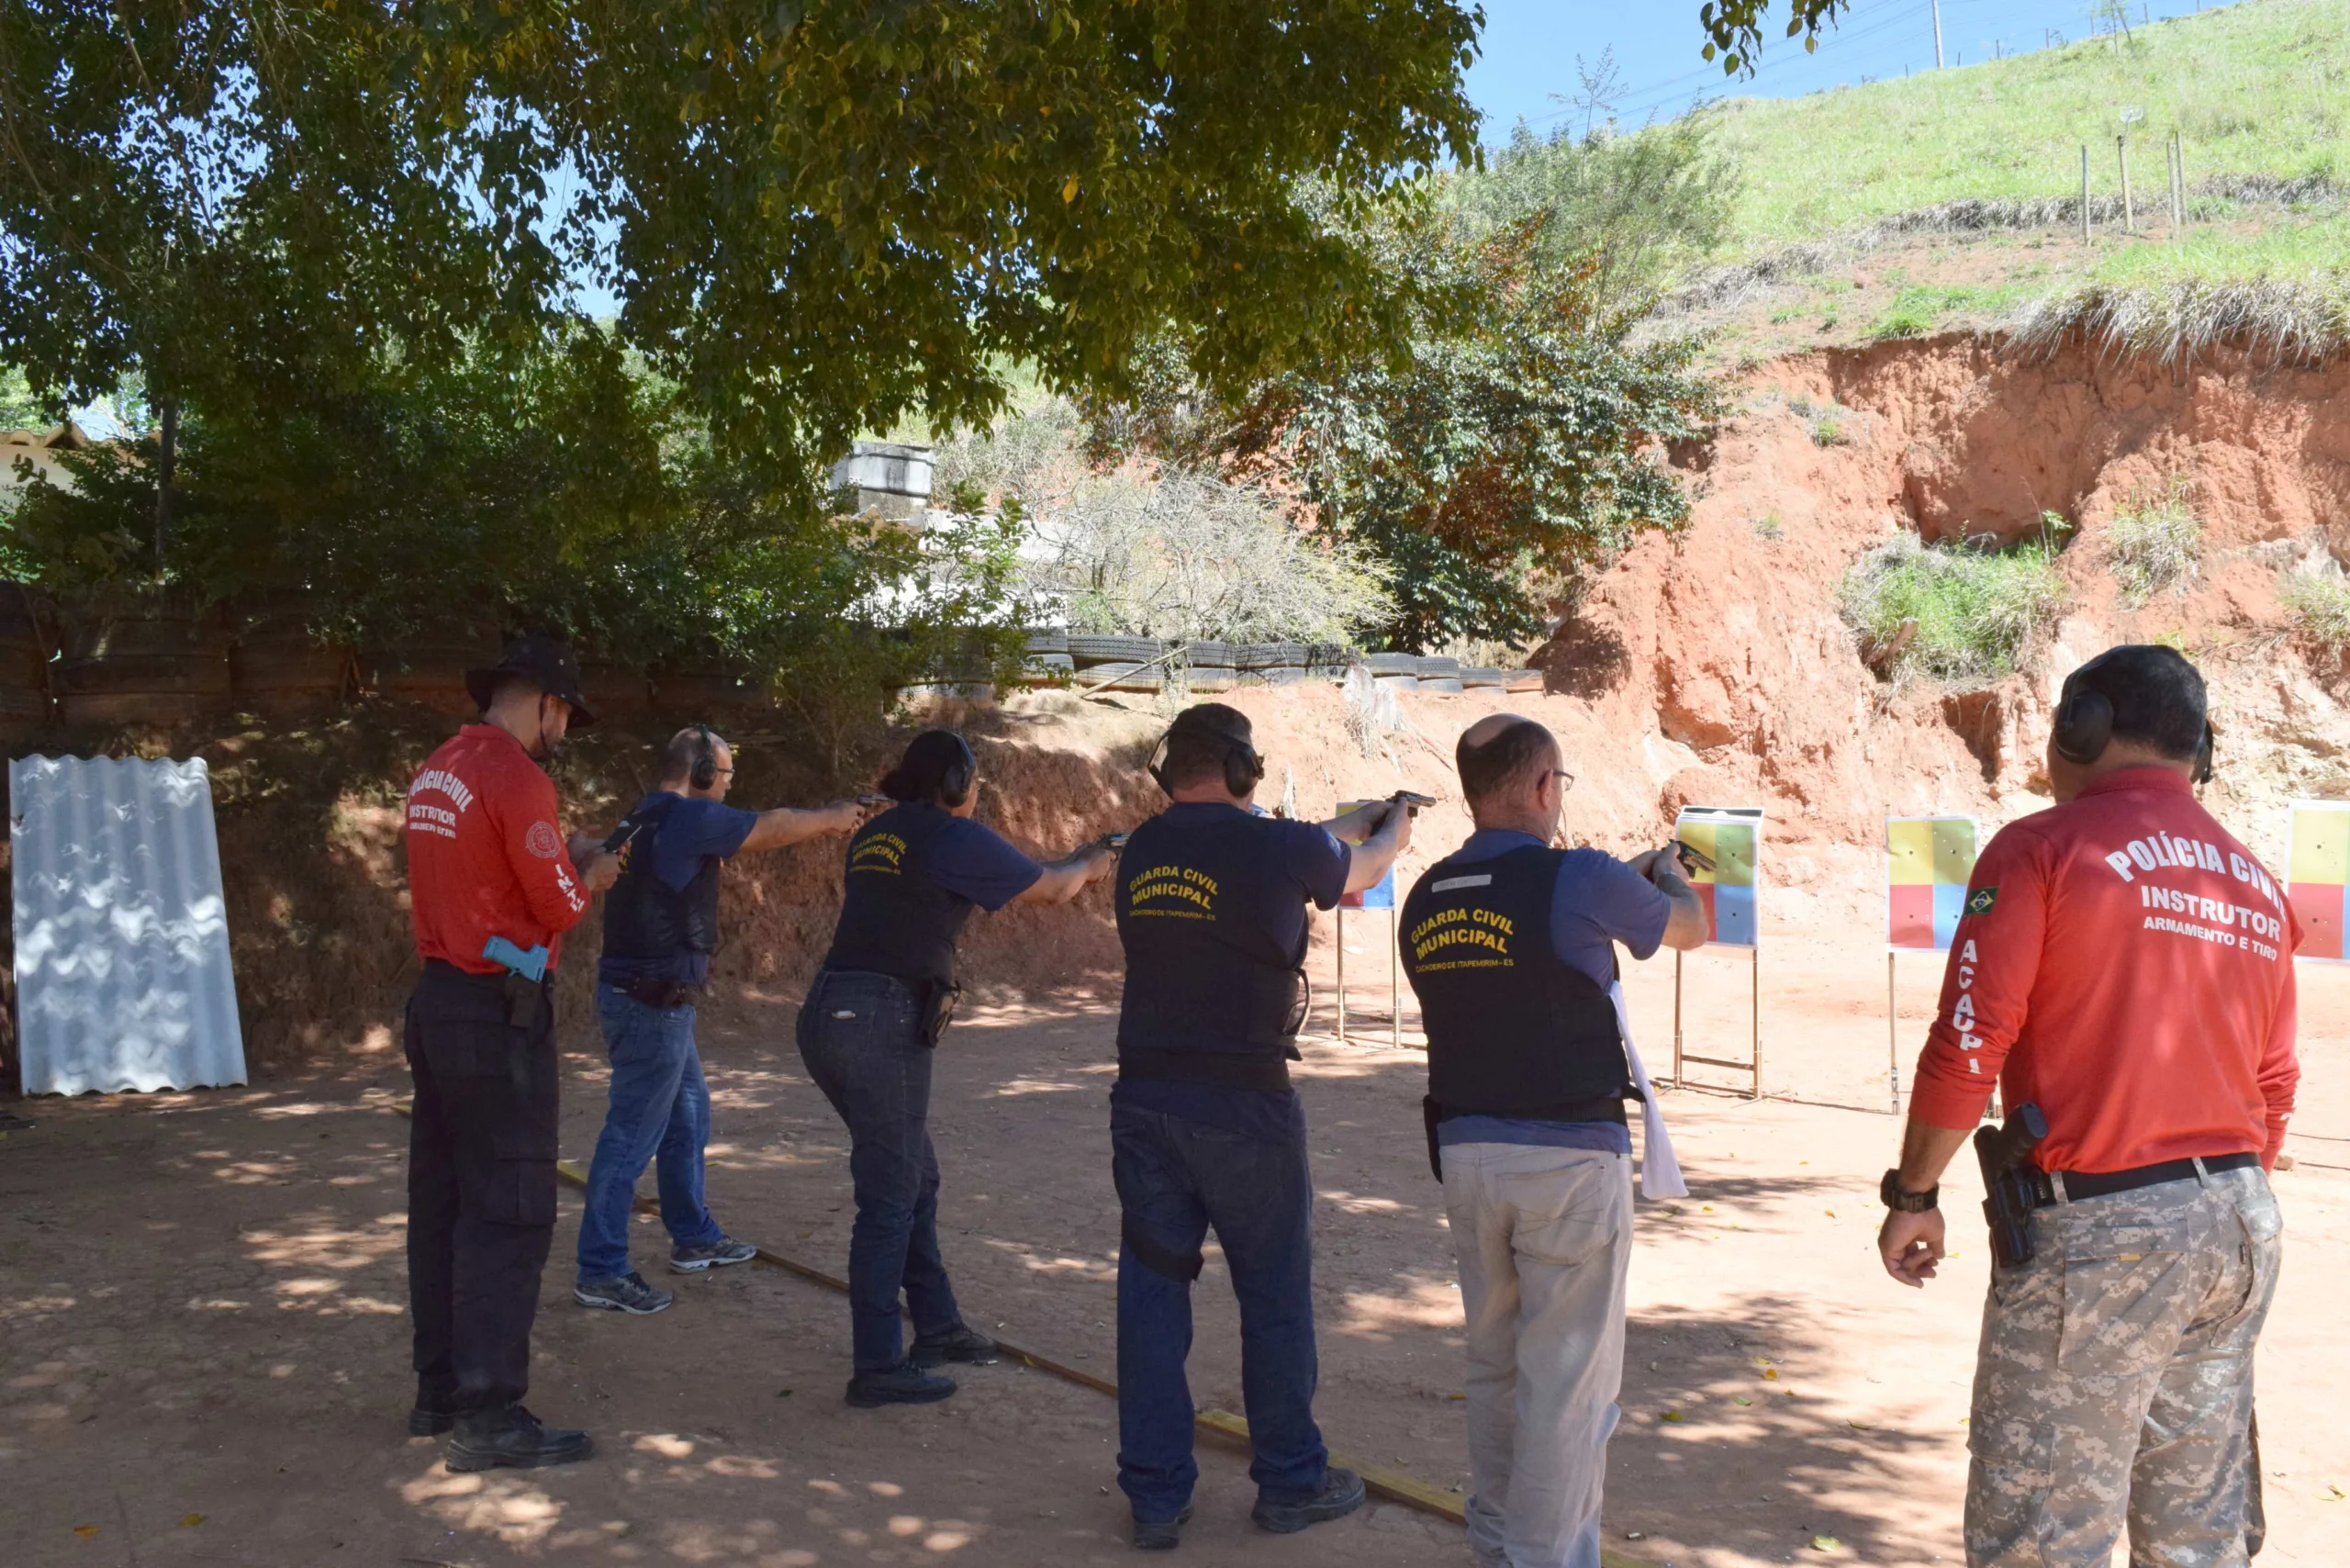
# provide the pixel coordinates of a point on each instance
(878, 1005)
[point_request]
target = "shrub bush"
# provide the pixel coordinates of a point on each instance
(2320, 604)
(1975, 612)
(2154, 543)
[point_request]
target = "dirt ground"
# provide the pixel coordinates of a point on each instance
(202, 1346)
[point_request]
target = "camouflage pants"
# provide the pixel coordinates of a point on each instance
(2115, 1381)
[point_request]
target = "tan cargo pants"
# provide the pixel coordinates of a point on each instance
(1544, 1240)
(2114, 1383)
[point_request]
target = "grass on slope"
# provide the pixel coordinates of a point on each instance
(2260, 87)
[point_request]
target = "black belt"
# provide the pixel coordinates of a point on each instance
(2080, 1185)
(1603, 1108)
(660, 993)
(1225, 1069)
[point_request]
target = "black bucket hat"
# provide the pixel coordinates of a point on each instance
(547, 663)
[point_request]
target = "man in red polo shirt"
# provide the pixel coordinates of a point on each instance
(2126, 965)
(493, 885)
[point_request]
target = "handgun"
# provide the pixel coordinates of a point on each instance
(1412, 800)
(529, 963)
(1691, 859)
(620, 837)
(2008, 1179)
(876, 802)
(1116, 840)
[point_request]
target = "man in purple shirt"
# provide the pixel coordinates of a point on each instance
(1510, 947)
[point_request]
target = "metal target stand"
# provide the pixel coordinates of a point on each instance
(1752, 1068)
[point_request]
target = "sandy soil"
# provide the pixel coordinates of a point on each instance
(203, 1354)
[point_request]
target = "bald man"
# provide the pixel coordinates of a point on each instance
(1511, 948)
(660, 928)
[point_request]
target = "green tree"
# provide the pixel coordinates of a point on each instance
(815, 219)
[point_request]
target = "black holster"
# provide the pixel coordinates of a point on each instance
(1161, 1260)
(936, 1000)
(1431, 1114)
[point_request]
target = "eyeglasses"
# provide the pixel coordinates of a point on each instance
(1566, 779)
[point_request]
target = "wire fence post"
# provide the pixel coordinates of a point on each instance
(2085, 193)
(2178, 180)
(2128, 217)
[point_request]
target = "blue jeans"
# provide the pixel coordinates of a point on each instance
(660, 1107)
(1175, 1178)
(860, 1035)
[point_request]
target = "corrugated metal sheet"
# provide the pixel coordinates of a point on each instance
(123, 979)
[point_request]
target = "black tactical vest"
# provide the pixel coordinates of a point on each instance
(1513, 1030)
(1213, 994)
(646, 918)
(894, 919)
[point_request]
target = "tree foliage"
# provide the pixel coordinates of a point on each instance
(814, 217)
(1636, 209)
(1734, 28)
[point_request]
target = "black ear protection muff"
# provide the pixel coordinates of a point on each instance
(2084, 726)
(705, 773)
(954, 779)
(1243, 768)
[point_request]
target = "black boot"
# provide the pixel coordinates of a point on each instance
(1161, 1535)
(957, 1344)
(904, 1383)
(1340, 1494)
(434, 1413)
(512, 1435)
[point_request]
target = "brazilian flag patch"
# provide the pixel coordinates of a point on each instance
(1980, 900)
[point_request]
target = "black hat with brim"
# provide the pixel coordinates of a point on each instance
(547, 663)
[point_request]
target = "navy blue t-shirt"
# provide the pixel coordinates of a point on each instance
(1596, 902)
(1312, 866)
(973, 861)
(691, 832)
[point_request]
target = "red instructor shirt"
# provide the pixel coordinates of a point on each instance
(484, 857)
(2127, 966)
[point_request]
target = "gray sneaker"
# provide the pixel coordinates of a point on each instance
(716, 1254)
(628, 1294)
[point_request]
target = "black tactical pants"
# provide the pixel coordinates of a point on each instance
(480, 1182)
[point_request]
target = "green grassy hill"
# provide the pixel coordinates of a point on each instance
(1836, 184)
(2260, 87)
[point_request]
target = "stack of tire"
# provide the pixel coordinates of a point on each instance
(1441, 675)
(1117, 663)
(141, 658)
(1522, 680)
(1328, 661)
(27, 639)
(1210, 667)
(1047, 661)
(1272, 664)
(1482, 678)
(1398, 672)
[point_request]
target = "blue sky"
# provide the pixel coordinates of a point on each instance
(1526, 66)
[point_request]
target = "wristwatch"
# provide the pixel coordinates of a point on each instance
(1900, 1198)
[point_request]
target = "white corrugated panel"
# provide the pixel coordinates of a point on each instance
(123, 979)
